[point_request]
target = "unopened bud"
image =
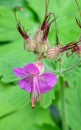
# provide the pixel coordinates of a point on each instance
(40, 66)
(53, 53)
(30, 45)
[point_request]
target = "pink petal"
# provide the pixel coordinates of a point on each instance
(31, 69)
(26, 84)
(46, 82)
(19, 72)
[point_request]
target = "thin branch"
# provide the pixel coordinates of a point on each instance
(19, 8)
(78, 7)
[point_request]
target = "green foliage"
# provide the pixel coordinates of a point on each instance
(21, 116)
(7, 66)
(73, 76)
(15, 108)
(47, 99)
(74, 106)
(47, 127)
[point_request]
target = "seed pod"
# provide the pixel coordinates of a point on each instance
(38, 36)
(42, 48)
(30, 45)
(53, 53)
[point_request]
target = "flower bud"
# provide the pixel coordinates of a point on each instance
(53, 53)
(30, 45)
(40, 67)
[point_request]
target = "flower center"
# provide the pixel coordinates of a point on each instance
(35, 91)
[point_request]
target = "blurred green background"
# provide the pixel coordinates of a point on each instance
(15, 109)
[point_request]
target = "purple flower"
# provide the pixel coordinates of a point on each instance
(34, 82)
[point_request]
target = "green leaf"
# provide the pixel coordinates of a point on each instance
(10, 62)
(20, 117)
(73, 98)
(19, 97)
(73, 76)
(9, 31)
(47, 127)
(12, 54)
(10, 4)
(47, 99)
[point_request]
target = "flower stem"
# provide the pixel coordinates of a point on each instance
(62, 97)
(63, 105)
(78, 7)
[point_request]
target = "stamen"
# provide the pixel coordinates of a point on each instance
(33, 101)
(38, 90)
(33, 93)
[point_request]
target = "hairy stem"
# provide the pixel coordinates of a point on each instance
(62, 97)
(63, 105)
